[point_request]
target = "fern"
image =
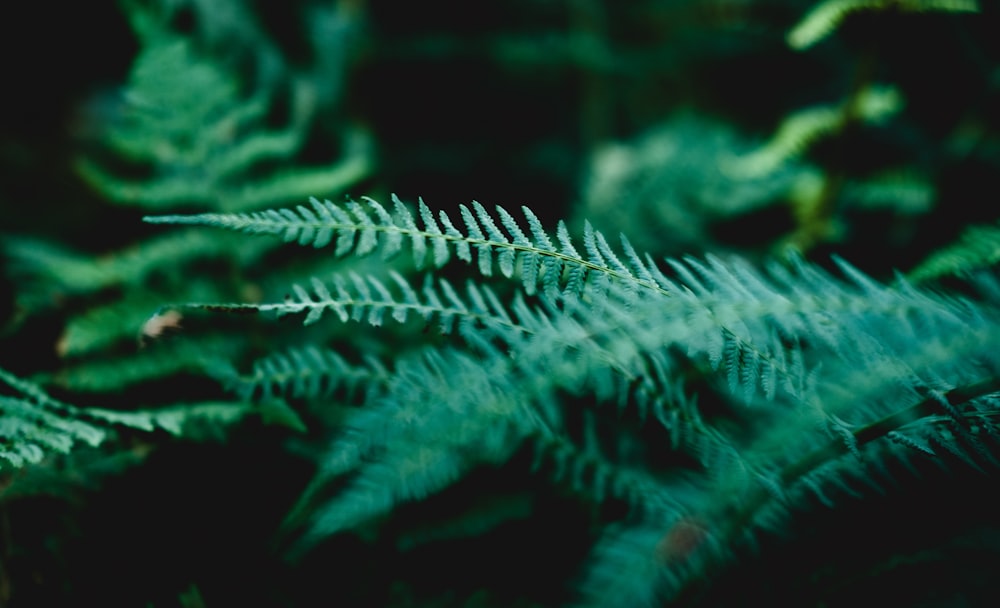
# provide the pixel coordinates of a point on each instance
(826, 16)
(787, 341)
(668, 187)
(34, 425)
(300, 373)
(803, 128)
(977, 248)
(385, 443)
(462, 382)
(357, 230)
(115, 372)
(188, 119)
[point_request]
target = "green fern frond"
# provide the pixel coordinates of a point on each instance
(901, 434)
(358, 230)
(593, 475)
(103, 326)
(121, 322)
(826, 16)
(308, 372)
(835, 367)
(720, 318)
(977, 248)
(33, 424)
(404, 475)
(368, 299)
(904, 191)
(385, 445)
(59, 271)
(188, 119)
(29, 431)
(667, 187)
(802, 128)
(160, 361)
(631, 565)
(177, 418)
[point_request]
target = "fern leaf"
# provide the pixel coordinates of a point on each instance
(591, 474)
(34, 424)
(628, 568)
(309, 373)
(978, 247)
(506, 255)
(384, 444)
(577, 274)
(394, 238)
(368, 298)
(551, 265)
(47, 270)
(367, 239)
(185, 116)
(406, 475)
(483, 246)
(798, 131)
(826, 16)
(360, 230)
(176, 418)
(163, 360)
(439, 244)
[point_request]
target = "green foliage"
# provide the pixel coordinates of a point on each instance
(34, 424)
(800, 129)
(649, 376)
(824, 18)
(186, 118)
(840, 370)
(978, 248)
(540, 262)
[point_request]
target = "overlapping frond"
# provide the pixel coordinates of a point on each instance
(477, 417)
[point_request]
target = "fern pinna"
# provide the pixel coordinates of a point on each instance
(811, 386)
